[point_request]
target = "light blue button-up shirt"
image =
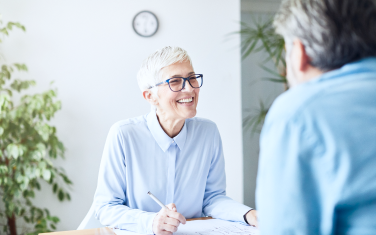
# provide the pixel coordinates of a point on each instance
(187, 170)
(317, 169)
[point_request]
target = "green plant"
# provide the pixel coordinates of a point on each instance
(262, 38)
(28, 144)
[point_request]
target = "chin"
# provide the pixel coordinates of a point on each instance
(191, 114)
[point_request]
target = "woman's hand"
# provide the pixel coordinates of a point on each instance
(167, 221)
(252, 218)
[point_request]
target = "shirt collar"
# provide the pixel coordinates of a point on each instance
(366, 64)
(164, 141)
(181, 137)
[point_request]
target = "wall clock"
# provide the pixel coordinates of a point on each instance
(145, 24)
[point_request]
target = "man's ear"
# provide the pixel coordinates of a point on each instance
(149, 97)
(300, 57)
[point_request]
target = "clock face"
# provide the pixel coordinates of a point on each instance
(145, 24)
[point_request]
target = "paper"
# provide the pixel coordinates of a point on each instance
(207, 227)
(123, 232)
(215, 227)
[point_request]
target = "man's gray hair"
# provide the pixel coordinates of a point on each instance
(334, 32)
(150, 72)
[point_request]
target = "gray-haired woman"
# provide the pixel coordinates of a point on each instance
(170, 152)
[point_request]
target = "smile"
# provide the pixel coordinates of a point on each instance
(188, 100)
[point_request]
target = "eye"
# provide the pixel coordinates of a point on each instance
(175, 80)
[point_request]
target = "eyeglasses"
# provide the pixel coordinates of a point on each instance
(177, 84)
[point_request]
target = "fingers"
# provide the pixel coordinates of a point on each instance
(164, 233)
(172, 207)
(165, 223)
(158, 223)
(171, 221)
(176, 215)
(170, 228)
(168, 220)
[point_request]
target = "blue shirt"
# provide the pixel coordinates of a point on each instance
(317, 168)
(188, 170)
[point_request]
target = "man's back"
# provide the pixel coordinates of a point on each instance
(318, 156)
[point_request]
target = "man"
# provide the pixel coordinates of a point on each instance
(317, 170)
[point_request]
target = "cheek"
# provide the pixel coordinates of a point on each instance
(171, 99)
(166, 97)
(197, 92)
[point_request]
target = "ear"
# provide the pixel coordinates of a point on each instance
(149, 97)
(300, 57)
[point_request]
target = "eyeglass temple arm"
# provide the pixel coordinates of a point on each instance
(158, 84)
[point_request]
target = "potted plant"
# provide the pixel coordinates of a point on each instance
(262, 37)
(28, 143)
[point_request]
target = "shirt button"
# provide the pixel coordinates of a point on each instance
(173, 141)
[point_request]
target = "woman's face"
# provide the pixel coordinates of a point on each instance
(182, 104)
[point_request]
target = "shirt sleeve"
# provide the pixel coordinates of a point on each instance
(110, 196)
(286, 194)
(216, 204)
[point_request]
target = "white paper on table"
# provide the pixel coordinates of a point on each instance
(123, 232)
(207, 227)
(215, 227)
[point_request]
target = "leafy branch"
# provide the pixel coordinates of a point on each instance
(28, 144)
(253, 122)
(262, 38)
(5, 30)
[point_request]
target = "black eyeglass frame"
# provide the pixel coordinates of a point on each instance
(185, 79)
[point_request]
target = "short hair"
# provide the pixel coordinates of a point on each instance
(150, 72)
(333, 32)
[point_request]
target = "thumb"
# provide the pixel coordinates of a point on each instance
(172, 207)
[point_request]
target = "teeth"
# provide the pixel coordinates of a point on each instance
(185, 100)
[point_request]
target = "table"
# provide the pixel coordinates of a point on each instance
(100, 231)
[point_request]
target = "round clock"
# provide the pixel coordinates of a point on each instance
(145, 24)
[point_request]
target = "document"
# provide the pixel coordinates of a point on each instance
(123, 232)
(215, 227)
(207, 227)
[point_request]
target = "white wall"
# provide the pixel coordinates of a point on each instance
(91, 52)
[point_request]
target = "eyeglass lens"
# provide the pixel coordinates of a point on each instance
(176, 84)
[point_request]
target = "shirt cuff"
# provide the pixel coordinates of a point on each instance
(238, 212)
(146, 222)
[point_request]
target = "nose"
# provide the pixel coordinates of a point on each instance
(187, 87)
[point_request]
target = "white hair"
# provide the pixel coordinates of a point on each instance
(333, 32)
(151, 73)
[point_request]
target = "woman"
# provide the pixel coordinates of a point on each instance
(168, 152)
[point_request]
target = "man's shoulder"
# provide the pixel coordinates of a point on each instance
(325, 94)
(337, 88)
(294, 101)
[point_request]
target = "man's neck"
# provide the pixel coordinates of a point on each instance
(311, 74)
(306, 76)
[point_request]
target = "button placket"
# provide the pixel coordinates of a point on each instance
(171, 174)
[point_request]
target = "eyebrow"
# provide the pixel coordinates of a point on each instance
(178, 75)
